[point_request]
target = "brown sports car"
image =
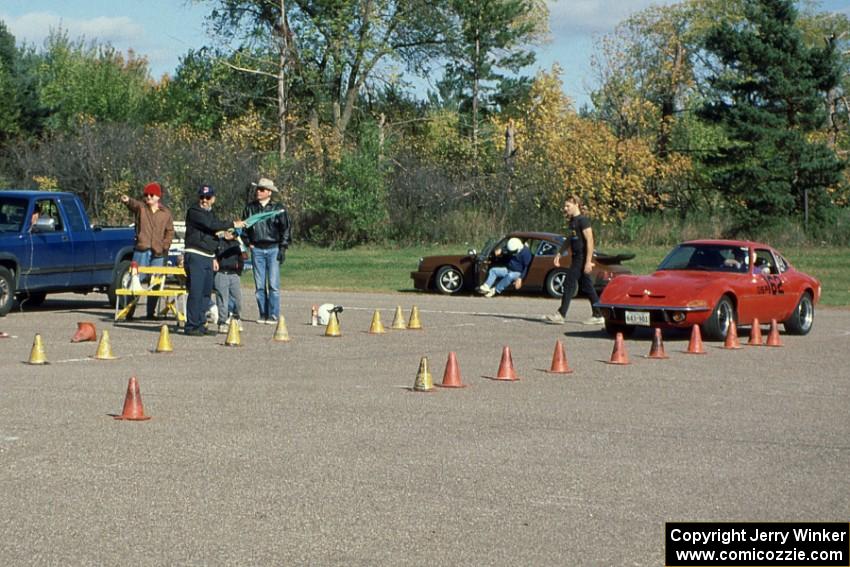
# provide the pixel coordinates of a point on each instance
(451, 274)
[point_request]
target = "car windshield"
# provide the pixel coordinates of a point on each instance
(707, 257)
(12, 213)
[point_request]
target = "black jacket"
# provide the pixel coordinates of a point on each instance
(274, 231)
(201, 227)
(229, 256)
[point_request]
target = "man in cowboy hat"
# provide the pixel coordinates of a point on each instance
(268, 240)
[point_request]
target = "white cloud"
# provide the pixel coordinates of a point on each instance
(34, 27)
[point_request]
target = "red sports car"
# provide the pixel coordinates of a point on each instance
(710, 283)
(453, 273)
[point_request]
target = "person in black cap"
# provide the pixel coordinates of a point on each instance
(202, 228)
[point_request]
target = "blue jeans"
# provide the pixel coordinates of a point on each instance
(146, 259)
(505, 277)
(267, 281)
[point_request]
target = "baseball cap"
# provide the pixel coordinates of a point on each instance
(206, 191)
(152, 189)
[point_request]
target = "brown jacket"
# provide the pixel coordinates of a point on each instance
(154, 230)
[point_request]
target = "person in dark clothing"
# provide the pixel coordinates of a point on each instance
(517, 259)
(268, 241)
(581, 245)
(202, 230)
(228, 266)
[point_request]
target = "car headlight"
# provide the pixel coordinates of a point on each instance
(420, 263)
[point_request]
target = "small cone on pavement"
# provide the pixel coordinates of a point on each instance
(559, 361)
(85, 332)
(619, 354)
(376, 328)
(314, 316)
(37, 355)
(755, 334)
(657, 349)
(506, 367)
(732, 341)
(695, 344)
(773, 337)
(398, 320)
(414, 322)
(281, 333)
(233, 337)
(133, 410)
(164, 343)
(104, 348)
(332, 330)
(451, 376)
(135, 282)
(424, 382)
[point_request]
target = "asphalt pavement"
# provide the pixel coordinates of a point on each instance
(317, 451)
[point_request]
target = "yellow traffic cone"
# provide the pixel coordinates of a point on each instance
(332, 329)
(424, 382)
(398, 320)
(281, 334)
(37, 355)
(233, 333)
(104, 349)
(164, 343)
(376, 328)
(414, 322)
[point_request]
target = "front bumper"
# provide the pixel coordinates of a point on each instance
(421, 280)
(659, 315)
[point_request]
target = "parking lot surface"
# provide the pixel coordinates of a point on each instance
(317, 452)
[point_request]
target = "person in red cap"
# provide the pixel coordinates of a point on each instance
(154, 232)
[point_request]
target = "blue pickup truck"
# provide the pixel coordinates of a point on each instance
(47, 245)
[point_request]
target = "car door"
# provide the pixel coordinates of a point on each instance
(51, 250)
(770, 286)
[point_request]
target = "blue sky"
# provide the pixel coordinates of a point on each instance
(163, 30)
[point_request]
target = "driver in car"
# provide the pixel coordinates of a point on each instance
(516, 261)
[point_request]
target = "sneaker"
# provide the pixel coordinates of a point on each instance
(594, 321)
(261, 321)
(271, 321)
(490, 293)
(223, 328)
(484, 289)
(555, 318)
(212, 315)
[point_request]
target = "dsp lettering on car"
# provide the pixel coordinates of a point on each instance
(773, 285)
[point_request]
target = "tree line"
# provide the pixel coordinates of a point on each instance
(718, 117)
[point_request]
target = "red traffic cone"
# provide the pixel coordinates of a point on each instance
(619, 354)
(732, 341)
(755, 334)
(85, 332)
(559, 361)
(451, 376)
(506, 367)
(695, 344)
(133, 410)
(773, 337)
(657, 349)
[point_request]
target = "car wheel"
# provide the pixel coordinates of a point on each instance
(613, 328)
(448, 280)
(801, 320)
(7, 290)
(555, 284)
(715, 328)
(120, 280)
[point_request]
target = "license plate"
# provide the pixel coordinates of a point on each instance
(637, 318)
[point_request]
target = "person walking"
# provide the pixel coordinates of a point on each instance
(202, 233)
(154, 232)
(581, 245)
(268, 240)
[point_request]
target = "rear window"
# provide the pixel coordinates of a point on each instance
(12, 213)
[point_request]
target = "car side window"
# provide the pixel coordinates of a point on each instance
(781, 264)
(544, 248)
(764, 262)
(47, 208)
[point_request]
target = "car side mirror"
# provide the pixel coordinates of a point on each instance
(44, 224)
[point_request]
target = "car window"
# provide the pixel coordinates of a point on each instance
(75, 218)
(543, 247)
(12, 213)
(781, 263)
(48, 208)
(707, 257)
(765, 262)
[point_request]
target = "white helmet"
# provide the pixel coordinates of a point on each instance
(514, 245)
(325, 310)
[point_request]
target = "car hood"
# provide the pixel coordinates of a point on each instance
(667, 285)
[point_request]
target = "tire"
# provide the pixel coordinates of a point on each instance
(613, 328)
(555, 284)
(120, 279)
(717, 325)
(802, 318)
(7, 290)
(448, 280)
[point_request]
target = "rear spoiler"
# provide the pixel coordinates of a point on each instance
(604, 258)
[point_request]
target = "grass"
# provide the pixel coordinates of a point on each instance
(382, 269)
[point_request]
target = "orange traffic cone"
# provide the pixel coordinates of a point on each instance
(133, 410)
(695, 344)
(773, 337)
(424, 382)
(559, 361)
(619, 354)
(451, 376)
(506, 370)
(657, 349)
(755, 334)
(85, 332)
(732, 341)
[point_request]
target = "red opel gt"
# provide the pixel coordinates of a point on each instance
(710, 283)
